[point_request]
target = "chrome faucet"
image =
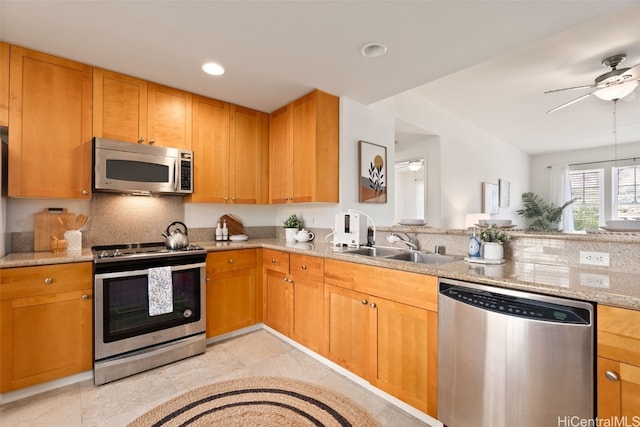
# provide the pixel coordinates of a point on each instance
(395, 237)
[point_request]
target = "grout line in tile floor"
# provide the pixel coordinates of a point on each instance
(118, 403)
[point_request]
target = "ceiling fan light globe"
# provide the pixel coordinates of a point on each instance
(614, 92)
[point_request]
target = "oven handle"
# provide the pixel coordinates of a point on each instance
(145, 271)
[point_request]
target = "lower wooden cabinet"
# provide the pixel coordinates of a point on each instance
(231, 291)
(45, 323)
(618, 363)
(382, 325)
(294, 296)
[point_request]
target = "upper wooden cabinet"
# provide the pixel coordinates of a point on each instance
(230, 145)
(50, 107)
(133, 110)
(4, 84)
(304, 150)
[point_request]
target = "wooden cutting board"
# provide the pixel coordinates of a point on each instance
(48, 226)
(233, 224)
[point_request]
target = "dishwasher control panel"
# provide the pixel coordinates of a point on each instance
(515, 306)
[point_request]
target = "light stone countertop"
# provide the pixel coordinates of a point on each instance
(623, 289)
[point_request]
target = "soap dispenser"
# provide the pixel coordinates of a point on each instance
(474, 245)
(218, 232)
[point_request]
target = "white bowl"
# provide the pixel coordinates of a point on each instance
(412, 221)
(498, 222)
(624, 223)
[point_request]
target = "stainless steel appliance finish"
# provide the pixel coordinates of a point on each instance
(127, 339)
(508, 358)
(125, 167)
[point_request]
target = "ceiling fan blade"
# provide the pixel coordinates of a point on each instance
(566, 104)
(570, 88)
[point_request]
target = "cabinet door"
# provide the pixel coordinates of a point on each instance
(618, 389)
(404, 362)
(170, 116)
(210, 150)
(248, 156)
(51, 131)
(231, 290)
(304, 153)
(347, 322)
(280, 156)
(119, 107)
(4, 84)
(307, 323)
(45, 337)
(277, 301)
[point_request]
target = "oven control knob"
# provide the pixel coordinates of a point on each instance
(117, 252)
(187, 313)
(103, 254)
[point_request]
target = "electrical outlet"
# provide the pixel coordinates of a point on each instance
(594, 258)
(594, 280)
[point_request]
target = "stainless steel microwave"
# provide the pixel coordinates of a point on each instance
(131, 168)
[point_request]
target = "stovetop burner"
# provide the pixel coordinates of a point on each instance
(105, 253)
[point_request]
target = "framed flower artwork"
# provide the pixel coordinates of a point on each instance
(373, 172)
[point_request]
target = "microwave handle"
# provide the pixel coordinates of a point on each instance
(175, 174)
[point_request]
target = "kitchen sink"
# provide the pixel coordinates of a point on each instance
(402, 255)
(423, 258)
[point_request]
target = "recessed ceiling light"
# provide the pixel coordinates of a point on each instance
(373, 50)
(213, 69)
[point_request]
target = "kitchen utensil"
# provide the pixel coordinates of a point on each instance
(176, 239)
(234, 225)
(304, 236)
(47, 225)
(81, 220)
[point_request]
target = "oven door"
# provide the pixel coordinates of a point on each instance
(122, 319)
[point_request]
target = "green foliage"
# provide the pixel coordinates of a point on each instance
(292, 222)
(493, 234)
(545, 216)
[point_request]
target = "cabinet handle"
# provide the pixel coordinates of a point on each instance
(304, 267)
(141, 140)
(48, 280)
(372, 305)
(85, 297)
(226, 199)
(364, 302)
(85, 192)
(207, 280)
(233, 199)
(230, 260)
(152, 140)
(273, 260)
(285, 280)
(612, 376)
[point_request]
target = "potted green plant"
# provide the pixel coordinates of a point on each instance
(493, 239)
(291, 227)
(545, 216)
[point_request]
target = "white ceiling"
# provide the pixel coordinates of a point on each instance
(486, 61)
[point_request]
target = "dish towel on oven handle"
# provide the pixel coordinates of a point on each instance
(160, 288)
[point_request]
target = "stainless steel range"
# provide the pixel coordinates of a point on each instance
(149, 307)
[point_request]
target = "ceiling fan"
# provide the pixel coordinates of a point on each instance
(610, 86)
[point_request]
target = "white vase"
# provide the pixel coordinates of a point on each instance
(492, 250)
(290, 234)
(74, 240)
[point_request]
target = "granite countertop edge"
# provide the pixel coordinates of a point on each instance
(621, 292)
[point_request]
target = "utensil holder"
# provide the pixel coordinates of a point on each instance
(74, 240)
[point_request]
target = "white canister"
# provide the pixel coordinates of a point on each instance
(74, 240)
(492, 250)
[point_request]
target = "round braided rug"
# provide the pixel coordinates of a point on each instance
(257, 401)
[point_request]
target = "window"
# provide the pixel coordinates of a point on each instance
(627, 192)
(587, 190)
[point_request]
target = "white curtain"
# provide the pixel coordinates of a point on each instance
(560, 192)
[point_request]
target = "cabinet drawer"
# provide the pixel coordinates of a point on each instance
(275, 260)
(418, 290)
(619, 334)
(218, 262)
(307, 267)
(45, 279)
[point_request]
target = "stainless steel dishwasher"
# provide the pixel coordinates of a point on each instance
(509, 358)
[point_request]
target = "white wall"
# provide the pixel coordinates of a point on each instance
(469, 156)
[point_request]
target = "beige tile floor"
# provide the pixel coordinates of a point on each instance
(119, 402)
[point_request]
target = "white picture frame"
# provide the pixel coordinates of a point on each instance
(490, 198)
(504, 193)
